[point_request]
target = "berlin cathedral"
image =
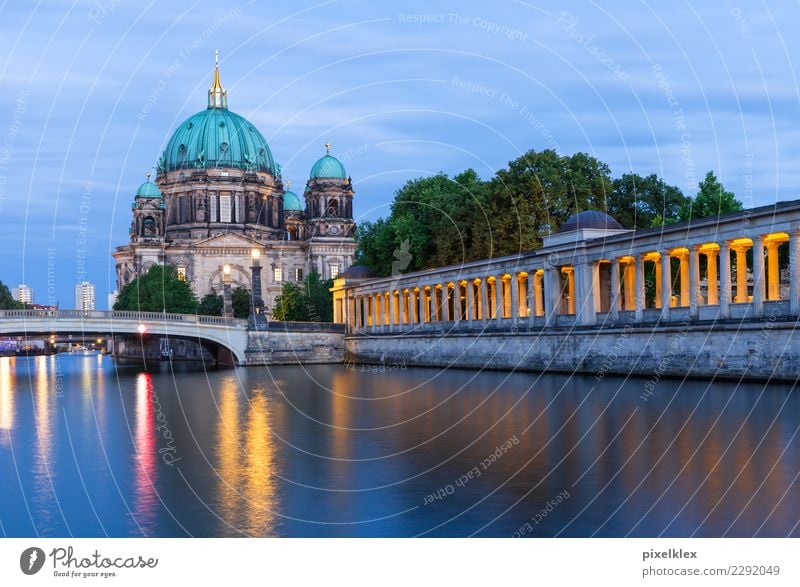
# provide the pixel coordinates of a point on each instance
(218, 201)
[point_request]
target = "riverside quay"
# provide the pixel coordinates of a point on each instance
(726, 287)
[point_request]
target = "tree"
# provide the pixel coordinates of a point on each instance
(643, 202)
(313, 302)
(240, 300)
(318, 298)
(289, 304)
(7, 301)
(158, 290)
(211, 305)
(712, 200)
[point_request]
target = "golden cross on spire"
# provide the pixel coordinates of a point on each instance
(217, 96)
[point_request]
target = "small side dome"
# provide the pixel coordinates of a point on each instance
(148, 190)
(328, 167)
(292, 202)
(592, 219)
(358, 272)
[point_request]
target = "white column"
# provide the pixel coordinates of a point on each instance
(483, 290)
(694, 279)
(457, 301)
(615, 290)
(597, 295)
(794, 265)
(444, 309)
(470, 302)
(392, 314)
(499, 299)
(666, 285)
(514, 285)
(759, 284)
(724, 280)
(551, 284)
(639, 287)
(375, 310)
(401, 308)
(421, 304)
(532, 300)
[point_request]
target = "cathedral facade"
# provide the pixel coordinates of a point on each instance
(218, 201)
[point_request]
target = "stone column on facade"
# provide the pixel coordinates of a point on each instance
(794, 265)
(483, 291)
(376, 310)
(666, 285)
(657, 268)
(444, 306)
(550, 283)
(741, 274)
(615, 290)
(773, 271)
(513, 285)
(639, 287)
(725, 280)
(584, 294)
(470, 310)
(694, 279)
(498, 299)
(458, 304)
(421, 304)
(392, 312)
(759, 277)
(532, 302)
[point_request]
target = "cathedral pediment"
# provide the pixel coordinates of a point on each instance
(227, 241)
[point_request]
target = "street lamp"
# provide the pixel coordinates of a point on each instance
(256, 300)
(227, 306)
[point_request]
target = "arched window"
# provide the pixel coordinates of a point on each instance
(148, 227)
(333, 208)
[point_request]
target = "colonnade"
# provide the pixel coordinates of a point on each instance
(588, 285)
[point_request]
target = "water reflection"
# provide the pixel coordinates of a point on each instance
(247, 484)
(336, 452)
(146, 496)
(7, 366)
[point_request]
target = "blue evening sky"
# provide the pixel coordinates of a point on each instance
(92, 90)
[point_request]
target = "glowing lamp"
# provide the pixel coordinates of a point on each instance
(142, 329)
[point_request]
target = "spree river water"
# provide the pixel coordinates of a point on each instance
(91, 448)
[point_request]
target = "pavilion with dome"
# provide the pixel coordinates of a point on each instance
(218, 200)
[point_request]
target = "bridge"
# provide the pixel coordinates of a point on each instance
(226, 337)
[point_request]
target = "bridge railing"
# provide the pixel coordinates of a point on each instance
(119, 315)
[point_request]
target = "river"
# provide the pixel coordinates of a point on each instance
(89, 447)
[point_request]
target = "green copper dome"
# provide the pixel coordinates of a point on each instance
(148, 190)
(292, 202)
(217, 137)
(329, 167)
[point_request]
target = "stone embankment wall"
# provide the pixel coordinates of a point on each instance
(769, 349)
(313, 344)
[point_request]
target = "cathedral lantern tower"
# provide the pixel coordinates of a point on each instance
(148, 214)
(329, 214)
(329, 198)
